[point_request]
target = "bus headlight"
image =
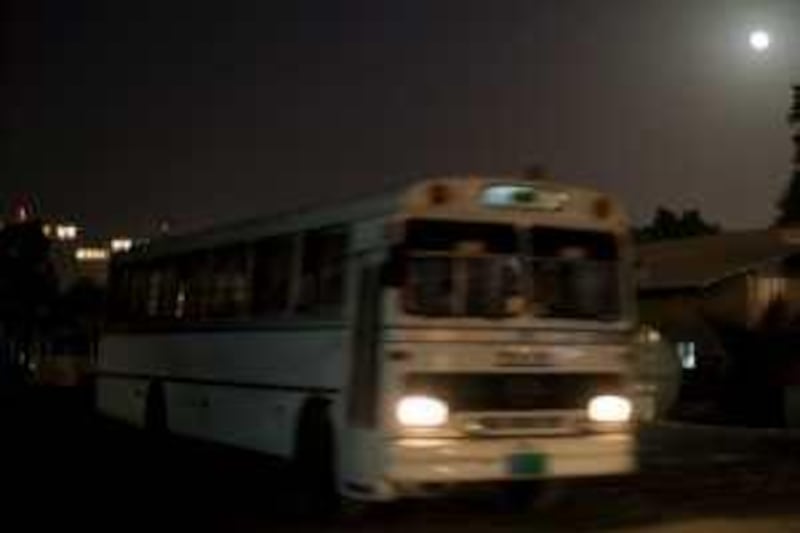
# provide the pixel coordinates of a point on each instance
(421, 411)
(610, 408)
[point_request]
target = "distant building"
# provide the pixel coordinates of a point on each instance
(694, 290)
(731, 276)
(77, 257)
(85, 259)
(62, 355)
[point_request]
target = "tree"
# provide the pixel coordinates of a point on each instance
(789, 204)
(794, 111)
(692, 224)
(667, 225)
(28, 288)
(80, 313)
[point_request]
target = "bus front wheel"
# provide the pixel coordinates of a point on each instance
(519, 496)
(314, 452)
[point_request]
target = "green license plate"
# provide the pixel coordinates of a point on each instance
(526, 464)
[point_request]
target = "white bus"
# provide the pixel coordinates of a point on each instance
(458, 330)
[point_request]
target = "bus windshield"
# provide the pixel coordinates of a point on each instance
(495, 271)
(448, 285)
(574, 274)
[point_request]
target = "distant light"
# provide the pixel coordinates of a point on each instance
(22, 214)
(122, 244)
(91, 254)
(47, 230)
(687, 353)
(66, 232)
(653, 336)
(759, 40)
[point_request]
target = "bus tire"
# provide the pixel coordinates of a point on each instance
(520, 496)
(314, 466)
(155, 409)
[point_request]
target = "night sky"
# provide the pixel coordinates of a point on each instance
(118, 114)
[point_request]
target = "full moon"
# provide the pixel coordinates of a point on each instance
(759, 40)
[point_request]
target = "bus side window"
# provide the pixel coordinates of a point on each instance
(183, 272)
(197, 271)
(138, 292)
(168, 289)
(229, 292)
(154, 281)
(119, 301)
(272, 275)
(323, 271)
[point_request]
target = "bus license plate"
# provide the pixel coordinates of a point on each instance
(526, 464)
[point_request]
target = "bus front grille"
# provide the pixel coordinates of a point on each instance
(506, 423)
(470, 392)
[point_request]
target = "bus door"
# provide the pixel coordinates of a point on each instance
(361, 437)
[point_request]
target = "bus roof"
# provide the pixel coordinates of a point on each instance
(502, 199)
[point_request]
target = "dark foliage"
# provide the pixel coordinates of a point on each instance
(789, 203)
(28, 283)
(28, 293)
(762, 360)
(667, 224)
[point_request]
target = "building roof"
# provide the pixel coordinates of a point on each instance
(699, 262)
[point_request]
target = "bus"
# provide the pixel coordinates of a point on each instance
(458, 330)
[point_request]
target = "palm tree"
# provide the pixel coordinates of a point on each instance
(28, 291)
(789, 204)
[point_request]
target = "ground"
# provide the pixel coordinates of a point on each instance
(65, 468)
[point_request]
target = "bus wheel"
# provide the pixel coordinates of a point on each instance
(314, 453)
(520, 496)
(155, 409)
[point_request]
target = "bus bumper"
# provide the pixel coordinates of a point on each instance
(416, 463)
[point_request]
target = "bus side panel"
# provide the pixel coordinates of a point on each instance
(247, 418)
(122, 398)
(240, 388)
(301, 359)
